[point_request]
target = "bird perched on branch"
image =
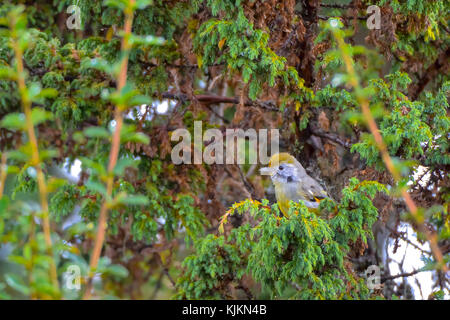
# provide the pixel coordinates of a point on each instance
(292, 182)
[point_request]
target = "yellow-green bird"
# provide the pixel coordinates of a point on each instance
(292, 182)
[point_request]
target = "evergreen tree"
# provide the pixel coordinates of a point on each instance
(365, 110)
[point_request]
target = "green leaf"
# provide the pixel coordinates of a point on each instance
(101, 65)
(139, 100)
(39, 115)
(96, 187)
(142, 4)
(4, 202)
(34, 90)
(18, 259)
(15, 282)
(12, 169)
(19, 155)
(96, 132)
(93, 165)
(7, 73)
(136, 200)
(148, 40)
(117, 270)
(48, 93)
(120, 4)
(48, 154)
(137, 137)
(103, 263)
(13, 121)
(124, 163)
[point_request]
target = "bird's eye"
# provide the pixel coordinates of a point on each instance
(280, 168)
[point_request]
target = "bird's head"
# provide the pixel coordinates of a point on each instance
(283, 168)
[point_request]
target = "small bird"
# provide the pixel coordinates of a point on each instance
(292, 182)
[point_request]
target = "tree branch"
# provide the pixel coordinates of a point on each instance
(113, 156)
(216, 99)
(336, 6)
(35, 157)
(330, 136)
(2, 173)
(343, 17)
(401, 275)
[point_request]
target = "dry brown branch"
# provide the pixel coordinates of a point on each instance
(215, 99)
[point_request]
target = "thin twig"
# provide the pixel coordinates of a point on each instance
(218, 115)
(113, 156)
(35, 158)
(402, 275)
(247, 184)
(326, 18)
(332, 137)
(401, 236)
(296, 286)
(157, 286)
(336, 6)
(2, 173)
(246, 290)
(180, 66)
(241, 185)
(166, 272)
(215, 99)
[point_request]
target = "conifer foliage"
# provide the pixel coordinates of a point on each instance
(92, 205)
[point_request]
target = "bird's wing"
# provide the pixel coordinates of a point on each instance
(312, 190)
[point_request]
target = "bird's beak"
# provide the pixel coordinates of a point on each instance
(267, 171)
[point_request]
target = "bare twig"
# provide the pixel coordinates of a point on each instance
(240, 185)
(401, 236)
(336, 6)
(247, 184)
(401, 275)
(157, 286)
(246, 290)
(344, 17)
(332, 137)
(179, 66)
(416, 280)
(218, 115)
(215, 99)
(2, 173)
(296, 286)
(166, 272)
